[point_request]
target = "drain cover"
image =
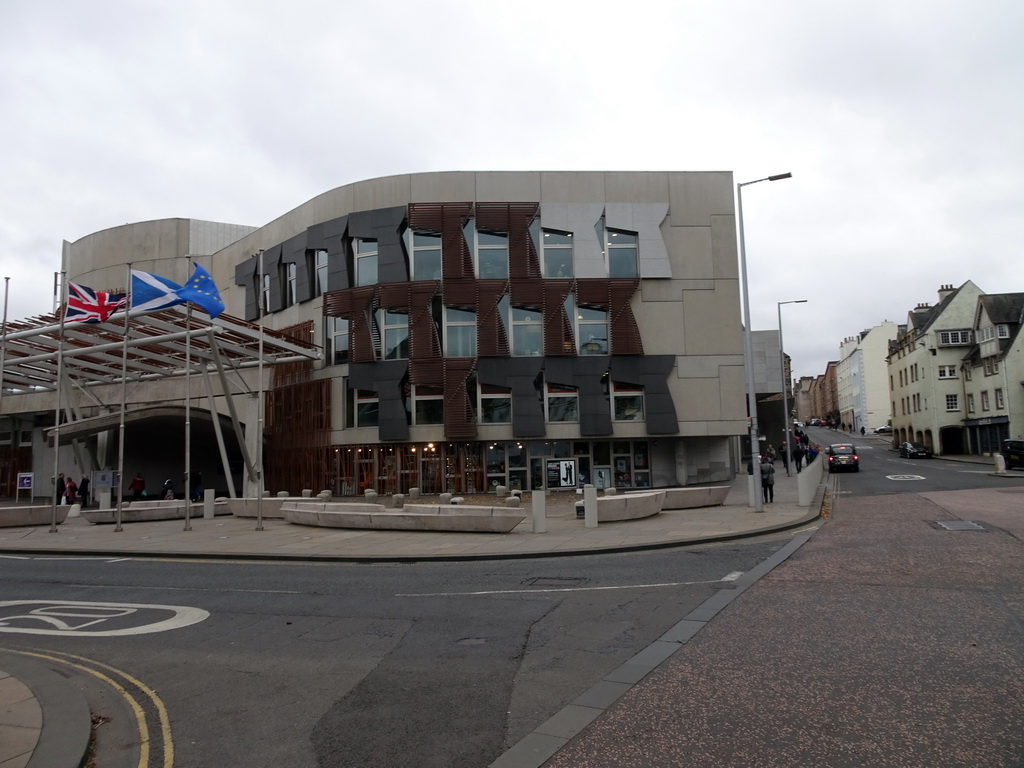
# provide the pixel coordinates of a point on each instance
(959, 525)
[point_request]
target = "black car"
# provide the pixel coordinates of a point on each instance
(1013, 453)
(914, 451)
(843, 456)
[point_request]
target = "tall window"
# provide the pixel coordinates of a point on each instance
(622, 251)
(393, 330)
(292, 279)
(984, 401)
(460, 332)
(428, 405)
(953, 402)
(426, 256)
(491, 255)
(592, 331)
(527, 332)
(336, 340)
(556, 254)
(366, 261)
(970, 403)
(1000, 402)
(495, 404)
(265, 293)
(367, 408)
(562, 403)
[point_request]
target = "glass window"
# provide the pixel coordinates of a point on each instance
(527, 332)
(495, 404)
(592, 331)
(622, 251)
(628, 402)
(460, 332)
(491, 255)
(426, 256)
(970, 403)
(984, 401)
(366, 262)
(556, 260)
(393, 330)
(336, 340)
(320, 265)
(562, 403)
(291, 281)
(429, 405)
(1000, 403)
(265, 293)
(953, 402)
(367, 408)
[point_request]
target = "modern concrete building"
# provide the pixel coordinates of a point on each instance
(524, 329)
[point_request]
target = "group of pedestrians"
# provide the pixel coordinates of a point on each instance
(69, 492)
(802, 451)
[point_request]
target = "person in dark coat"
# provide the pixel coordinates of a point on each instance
(83, 490)
(58, 488)
(768, 480)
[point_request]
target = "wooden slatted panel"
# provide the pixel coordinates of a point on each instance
(448, 219)
(616, 295)
(514, 218)
(424, 342)
(458, 411)
(558, 336)
(492, 337)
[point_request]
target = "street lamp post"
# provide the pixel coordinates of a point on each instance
(785, 386)
(748, 343)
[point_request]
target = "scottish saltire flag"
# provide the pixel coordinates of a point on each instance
(88, 306)
(150, 292)
(200, 289)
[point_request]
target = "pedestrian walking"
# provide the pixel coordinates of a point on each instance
(768, 481)
(137, 486)
(798, 457)
(83, 490)
(70, 490)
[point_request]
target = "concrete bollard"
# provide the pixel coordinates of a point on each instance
(414, 493)
(512, 501)
(371, 496)
(75, 511)
(610, 491)
(307, 493)
(540, 512)
(105, 496)
(458, 500)
(500, 490)
(208, 501)
(1000, 463)
(283, 494)
(590, 505)
(445, 498)
(399, 500)
(324, 495)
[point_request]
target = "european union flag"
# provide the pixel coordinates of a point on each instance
(200, 289)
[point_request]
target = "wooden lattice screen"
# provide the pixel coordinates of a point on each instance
(297, 426)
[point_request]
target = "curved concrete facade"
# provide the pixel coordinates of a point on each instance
(636, 368)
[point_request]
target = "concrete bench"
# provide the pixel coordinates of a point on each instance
(18, 517)
(411, 517)
(247, 507)
(149, 511)
(629, 506)
(693, 497)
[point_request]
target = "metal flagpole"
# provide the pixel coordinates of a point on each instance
(56, 411)
(188, 408)
(124, 399)
(15, 436)
(259, 405)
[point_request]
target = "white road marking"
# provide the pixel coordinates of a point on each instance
(732, 576)
(71, 618)
(559, 589)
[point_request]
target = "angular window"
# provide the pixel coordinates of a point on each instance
(428, 405)
(495, 404)
(291, 280)
(460, 332)
(366, 261)
(320, 269)
(393, 331)
(592, 331)
(622, 254)
(336, 340)
(562, 403)
(426, 256)
(491, 255)
(527, 332)
(556, 259)
(367, 408)
(628, 402)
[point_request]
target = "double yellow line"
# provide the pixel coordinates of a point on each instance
(93, 667)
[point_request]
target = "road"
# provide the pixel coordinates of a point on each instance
(326, 665)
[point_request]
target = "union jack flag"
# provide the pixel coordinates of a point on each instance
(88, 306)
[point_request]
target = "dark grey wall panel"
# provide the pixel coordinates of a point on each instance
(651, 372)
(245, 276)
(293, 251)
(384, 378)
(337, 258)
(520, 374)
(384, 225)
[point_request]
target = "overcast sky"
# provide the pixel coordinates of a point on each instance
(902, 122)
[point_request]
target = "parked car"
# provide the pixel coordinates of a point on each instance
(843, 456)
(815, 423)
(885, 429)
(914, 451)
(1013, 453)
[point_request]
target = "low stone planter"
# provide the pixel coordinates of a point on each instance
(411, 517)
(19, 517)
